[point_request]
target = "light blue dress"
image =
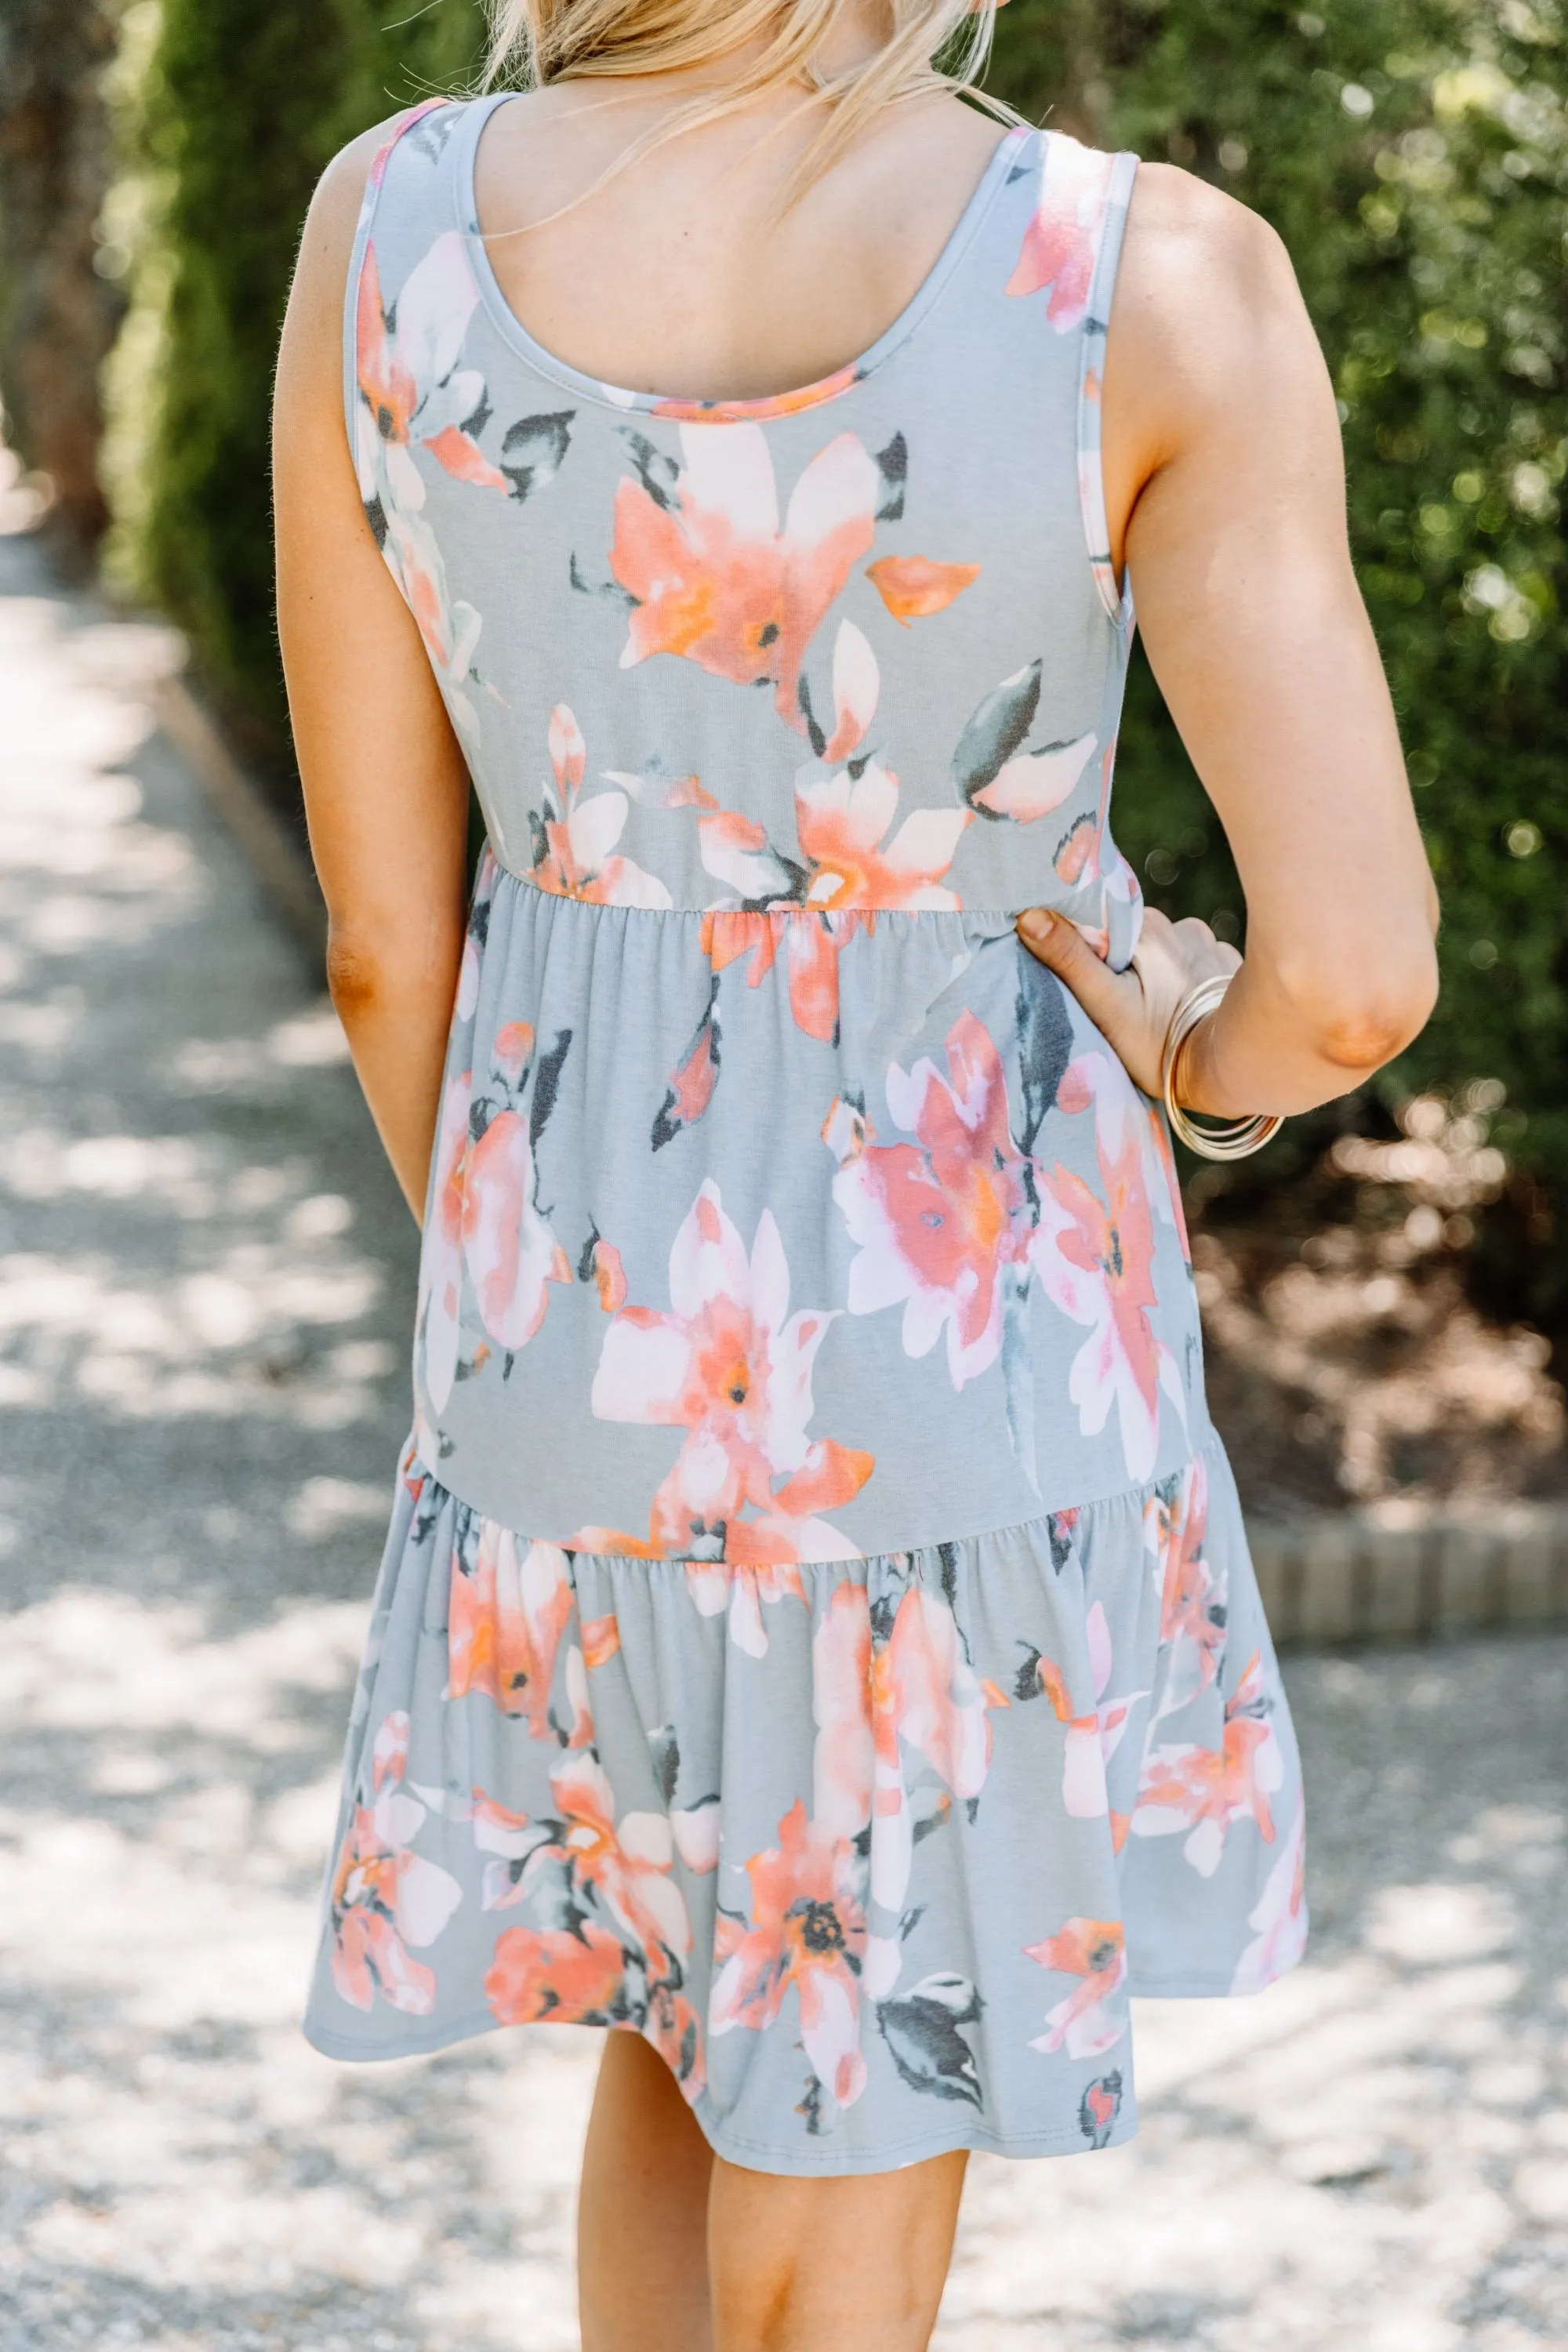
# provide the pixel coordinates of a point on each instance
(816, 1630)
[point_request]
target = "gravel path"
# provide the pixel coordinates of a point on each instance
(203, 1302)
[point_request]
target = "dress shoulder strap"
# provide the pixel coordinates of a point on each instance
(1070, 248)
(406, 212)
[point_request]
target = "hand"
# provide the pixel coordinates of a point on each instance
(1132, 1009)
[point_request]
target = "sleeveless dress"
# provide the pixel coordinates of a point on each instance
(816, 1630)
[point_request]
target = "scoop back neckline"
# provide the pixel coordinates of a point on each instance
(686, 408)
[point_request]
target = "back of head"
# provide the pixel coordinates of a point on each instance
(847, 59)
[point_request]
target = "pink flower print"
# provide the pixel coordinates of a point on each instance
(1062, 240)
(1280, 1916)
(468, 998)
(1191, 1598)
(484, 1217)
(940, 1223)
(1093, 2017)
(876, 1702)
(505, 1618)
(575, 841)
(925, 1698)
(841, 1701)
(730, 1365)
(1193, 1788)
(807, 1929)
(712, 578)
(1098, 1081)
(1093, 1739)
(410, 384)
(386, 1900)
(510, 1252)
(843, 820)
(716, 1586)
(1095, 1260)
(441, 1258)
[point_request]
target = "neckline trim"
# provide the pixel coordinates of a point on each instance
(759, 410)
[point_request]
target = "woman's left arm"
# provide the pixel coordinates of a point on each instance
(386, 788)
(1225, 485)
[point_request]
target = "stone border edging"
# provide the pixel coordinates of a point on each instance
(1409, 1573)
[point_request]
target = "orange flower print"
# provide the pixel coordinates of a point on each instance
(574, 839)
(1063, 236)
(1095, 1260)
(1093, 2017)
(1192, 1597)
(940, 1223)
(1279, 1916)
(712, 578)
(485, 1223)
(385, 1900)
(413, 393)
(507, 1609)
(560, 1975)
(1202, 1792)
(885, 1705)
(509, 1251)
(439, 1299)
(807, 1929)
(732, 1367)
(1099, 2108)
(622, 1870)
(1094, 1735)
(844, 820)
(911, 587)
(1098, 1081)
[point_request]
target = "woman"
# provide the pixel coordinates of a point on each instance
(816, 1635)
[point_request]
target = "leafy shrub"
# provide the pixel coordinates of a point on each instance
(1413, 156)
(235, 111)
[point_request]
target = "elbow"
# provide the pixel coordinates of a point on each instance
(1356, 1022)
(356, 975)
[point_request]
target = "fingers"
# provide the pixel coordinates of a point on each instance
(1061, 946)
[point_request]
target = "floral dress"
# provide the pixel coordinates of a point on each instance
(816, 1630)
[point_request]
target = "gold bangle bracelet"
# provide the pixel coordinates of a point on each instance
(1234, 1140)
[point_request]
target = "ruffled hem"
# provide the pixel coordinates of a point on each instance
(873, 1851)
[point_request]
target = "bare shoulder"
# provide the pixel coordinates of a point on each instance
(1207, 308)
(335, 207)
(313, 327)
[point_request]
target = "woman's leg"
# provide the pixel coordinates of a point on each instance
(823, 2266)
(642, 2220)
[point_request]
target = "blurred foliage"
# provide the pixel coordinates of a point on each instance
(231, 111)
(1413, 156)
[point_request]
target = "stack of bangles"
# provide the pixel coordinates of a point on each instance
(1235, 1139)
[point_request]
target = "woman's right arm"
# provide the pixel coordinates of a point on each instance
(1224, 483)
(386, 788)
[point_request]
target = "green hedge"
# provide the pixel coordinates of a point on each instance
(1413, 156)
(238, 108)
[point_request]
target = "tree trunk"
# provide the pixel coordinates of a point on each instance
(59, 315)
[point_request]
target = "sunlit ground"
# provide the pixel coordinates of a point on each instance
(204, 1284)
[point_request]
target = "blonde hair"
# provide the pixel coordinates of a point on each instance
(541, 41)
